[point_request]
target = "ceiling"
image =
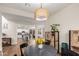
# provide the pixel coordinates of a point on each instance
(31, 7)
(25, 12)
(21, 19)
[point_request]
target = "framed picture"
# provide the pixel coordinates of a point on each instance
(74, 40)
(5, 26)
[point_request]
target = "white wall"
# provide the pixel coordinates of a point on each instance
(11, 31)
(0, 33)
(68, 18)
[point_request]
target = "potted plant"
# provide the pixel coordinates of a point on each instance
(54, 27)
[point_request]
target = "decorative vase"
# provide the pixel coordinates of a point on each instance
(40, 46)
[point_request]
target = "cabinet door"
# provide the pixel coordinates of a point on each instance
(56, 40)
(52, 41)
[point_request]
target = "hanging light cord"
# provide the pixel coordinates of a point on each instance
(41, 5)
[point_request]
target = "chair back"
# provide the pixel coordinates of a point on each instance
(23, 46)
(47, 42)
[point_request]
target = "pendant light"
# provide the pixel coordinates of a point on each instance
(41, 14)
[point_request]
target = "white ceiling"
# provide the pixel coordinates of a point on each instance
(30, 8)
(21, 20)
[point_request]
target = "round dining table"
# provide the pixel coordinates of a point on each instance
(46, 50)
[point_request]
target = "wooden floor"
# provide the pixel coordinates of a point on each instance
(12, 50)
(1, 53)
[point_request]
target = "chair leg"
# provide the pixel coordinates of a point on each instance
(21, 52)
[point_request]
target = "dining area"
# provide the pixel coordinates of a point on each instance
(40, 45)
(33, 47)
(38, 48)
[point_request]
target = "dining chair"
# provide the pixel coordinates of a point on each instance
(47, 42)
(21, 48)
